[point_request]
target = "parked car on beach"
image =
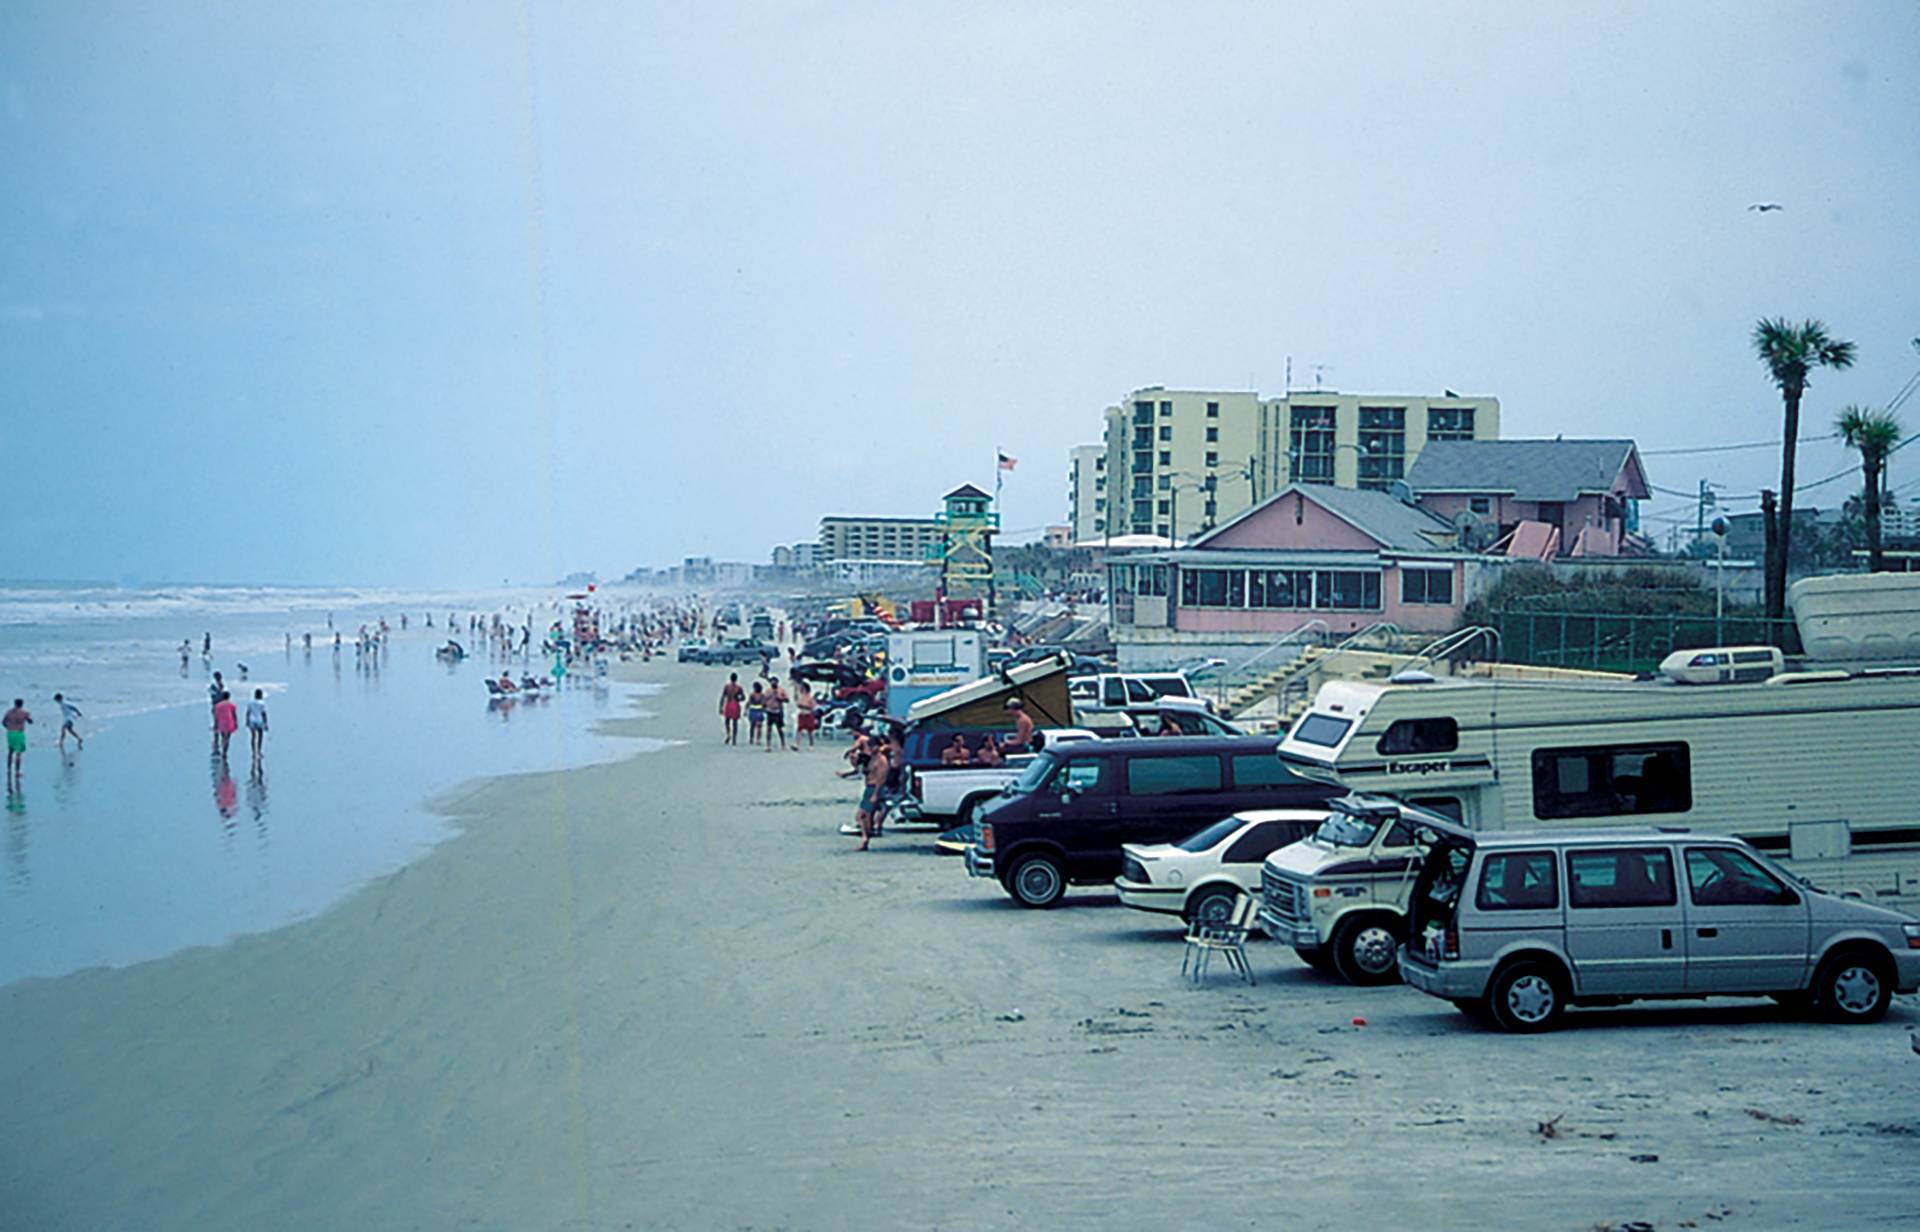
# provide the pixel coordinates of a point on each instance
(689, 649)
(736, 650)
(1516, 926)
(1067, 816)
(1200, 876)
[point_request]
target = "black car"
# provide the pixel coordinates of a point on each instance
(1066, 817)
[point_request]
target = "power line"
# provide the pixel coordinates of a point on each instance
(1773, 444)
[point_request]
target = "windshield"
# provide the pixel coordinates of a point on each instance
(1034, 777)
(1346, 830)
(1210, 837)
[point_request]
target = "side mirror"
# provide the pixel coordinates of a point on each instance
(1067, 795)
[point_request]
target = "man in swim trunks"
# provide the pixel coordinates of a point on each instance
(15, 724)
(866, 816)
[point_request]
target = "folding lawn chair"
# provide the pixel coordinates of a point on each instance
(1227, 937)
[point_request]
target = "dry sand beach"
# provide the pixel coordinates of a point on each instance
(665, 993)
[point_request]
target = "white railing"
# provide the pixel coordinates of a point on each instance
(1301, 683)
(1243, 673)
(1455, 642)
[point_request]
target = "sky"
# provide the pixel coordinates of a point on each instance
(459, 293)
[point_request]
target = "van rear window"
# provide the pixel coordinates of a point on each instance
(1518, 881)
(1321, 729)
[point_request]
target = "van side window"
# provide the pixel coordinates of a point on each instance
(1518, 881)
(1137, 692)
(1082, 777)
(1169, 776)
(1623, 780)
(1260, 770)
(1399, 835)
(1722, 877)
(1420, 736)
(1621, 877)
(1113, 691)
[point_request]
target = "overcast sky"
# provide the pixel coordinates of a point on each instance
(450, 293)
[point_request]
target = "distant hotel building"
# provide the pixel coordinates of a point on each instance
(878, 539)
(1087, 492)
(1178, 462)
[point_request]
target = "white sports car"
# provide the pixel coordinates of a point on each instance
(1199, 877)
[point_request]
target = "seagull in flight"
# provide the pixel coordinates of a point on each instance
(1763, 206)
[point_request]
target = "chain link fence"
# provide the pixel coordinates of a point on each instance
(1617, 642)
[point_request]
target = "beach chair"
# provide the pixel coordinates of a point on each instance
(1227, 937)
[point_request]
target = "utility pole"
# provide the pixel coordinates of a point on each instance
(1770, 523)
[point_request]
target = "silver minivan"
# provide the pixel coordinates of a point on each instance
(1515, 926)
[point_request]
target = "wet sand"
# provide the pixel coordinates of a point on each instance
(664, 993)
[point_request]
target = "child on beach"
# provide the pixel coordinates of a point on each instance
(68, 713)
(756, 714)
(226, 720)
(15, 723)
(731, 695)
(257, 721)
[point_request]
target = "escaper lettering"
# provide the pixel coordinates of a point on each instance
(1437, 766)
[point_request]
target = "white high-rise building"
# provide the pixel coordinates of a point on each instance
(1087, 492)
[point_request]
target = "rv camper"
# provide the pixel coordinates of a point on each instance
(1816, 768)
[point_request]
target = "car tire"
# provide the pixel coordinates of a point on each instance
(1320, 960)
(1853, 986)
(1037, 881)
(1526, 997)
(1366, 950)
(1212, 904)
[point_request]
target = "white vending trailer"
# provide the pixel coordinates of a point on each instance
(922, 663)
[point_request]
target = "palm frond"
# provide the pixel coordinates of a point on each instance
(1873, 432)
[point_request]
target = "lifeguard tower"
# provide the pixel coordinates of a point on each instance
(966, 545)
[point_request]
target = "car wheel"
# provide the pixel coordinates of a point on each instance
(1037, 881)
(1853, 986)
(1212, 905)
(1366, 950)
(1526, 997)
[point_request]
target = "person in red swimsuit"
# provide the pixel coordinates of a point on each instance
(731, 695)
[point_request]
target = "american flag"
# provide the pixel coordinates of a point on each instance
(1008, 463)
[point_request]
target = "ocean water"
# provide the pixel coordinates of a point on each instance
(144, 842)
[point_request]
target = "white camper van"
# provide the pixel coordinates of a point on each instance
(1816, 769)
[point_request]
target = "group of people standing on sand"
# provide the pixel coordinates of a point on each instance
(766, 712)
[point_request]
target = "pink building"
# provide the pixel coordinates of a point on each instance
(1347, 557)
(1582, 496)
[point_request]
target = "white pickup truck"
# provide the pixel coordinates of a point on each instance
(942, 797)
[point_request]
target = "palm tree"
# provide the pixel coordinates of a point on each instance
(1790, 352)
(1875, 434)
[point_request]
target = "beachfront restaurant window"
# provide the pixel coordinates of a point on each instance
(1326, 589)
(1426, 586)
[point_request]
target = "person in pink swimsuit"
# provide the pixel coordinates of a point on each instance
(226, 721)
